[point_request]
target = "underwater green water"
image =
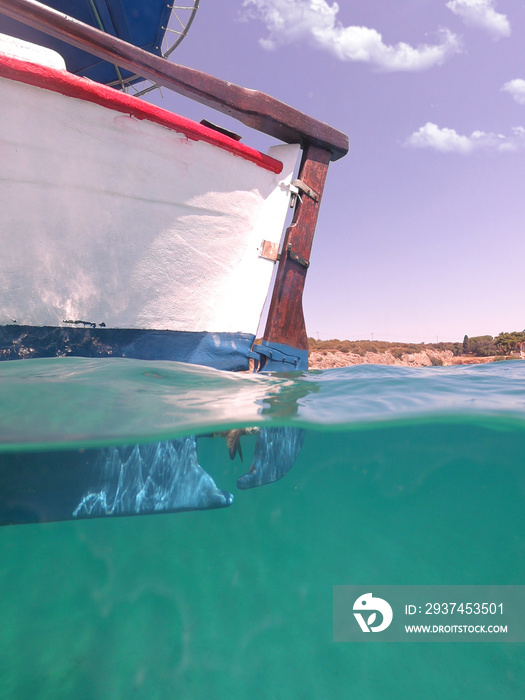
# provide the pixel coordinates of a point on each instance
(406, 476)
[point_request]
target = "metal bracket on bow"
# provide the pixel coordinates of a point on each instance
(299, 186)
(297, 258)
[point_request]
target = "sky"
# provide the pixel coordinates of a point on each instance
(421, 229)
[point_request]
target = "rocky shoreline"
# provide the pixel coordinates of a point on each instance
(326, 359)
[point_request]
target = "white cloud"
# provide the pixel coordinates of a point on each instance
(481, 13)
(315, 21)
(449, 141)
(517, 90)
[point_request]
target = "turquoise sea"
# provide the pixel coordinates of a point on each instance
(399, 476)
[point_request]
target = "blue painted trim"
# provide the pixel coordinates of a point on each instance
(277, 357)
(226, 351)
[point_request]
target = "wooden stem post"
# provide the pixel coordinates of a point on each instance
(285, 322)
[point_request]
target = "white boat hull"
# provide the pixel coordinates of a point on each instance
(111, 220)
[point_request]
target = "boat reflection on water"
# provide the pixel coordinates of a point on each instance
(276, 450)
(162, 477)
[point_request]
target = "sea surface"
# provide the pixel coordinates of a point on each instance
(385, 475)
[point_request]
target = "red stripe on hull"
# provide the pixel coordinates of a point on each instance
(83, 89)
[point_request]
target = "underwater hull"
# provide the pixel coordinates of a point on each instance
(126, 230)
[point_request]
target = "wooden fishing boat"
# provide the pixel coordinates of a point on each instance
(130, 231)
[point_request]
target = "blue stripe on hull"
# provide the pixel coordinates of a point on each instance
(227, 351)
(278, 357)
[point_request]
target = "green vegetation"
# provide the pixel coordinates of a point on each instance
(361, 347)
(486, 345)
(509, 342)
(478, 346)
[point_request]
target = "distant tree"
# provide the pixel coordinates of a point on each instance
(465, 345)
(482, 346)
(455, 348)
(509, 342)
